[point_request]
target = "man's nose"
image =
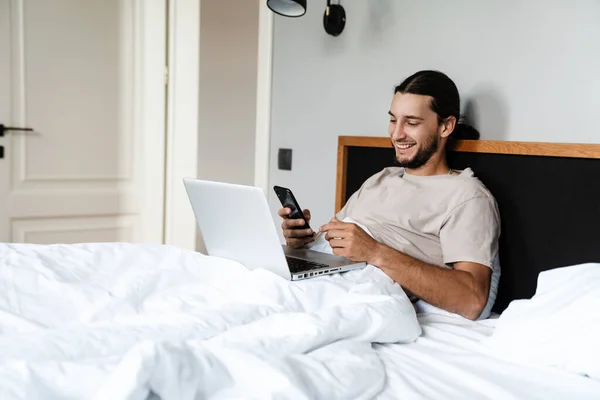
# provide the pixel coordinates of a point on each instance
(398, 133)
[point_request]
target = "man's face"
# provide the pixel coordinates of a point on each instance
(414, 130)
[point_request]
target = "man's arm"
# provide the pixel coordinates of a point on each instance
(465, 288)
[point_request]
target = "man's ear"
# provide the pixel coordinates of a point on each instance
(447, 126)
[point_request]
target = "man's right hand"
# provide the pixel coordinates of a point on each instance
(295, 236)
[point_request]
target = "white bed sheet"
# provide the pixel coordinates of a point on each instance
(448, 361)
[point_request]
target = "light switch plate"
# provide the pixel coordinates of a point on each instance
(284, 159)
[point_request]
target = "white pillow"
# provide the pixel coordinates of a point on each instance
(558, 327)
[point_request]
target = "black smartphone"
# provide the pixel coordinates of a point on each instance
(287, 199)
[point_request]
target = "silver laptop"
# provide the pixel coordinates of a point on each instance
(236, 223)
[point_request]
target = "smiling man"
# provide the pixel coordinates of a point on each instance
(435, 230)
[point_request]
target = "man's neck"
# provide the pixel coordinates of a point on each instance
(435, 166)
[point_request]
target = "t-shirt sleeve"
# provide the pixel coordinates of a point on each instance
(347, 208)
(471, 231)
(342, 213)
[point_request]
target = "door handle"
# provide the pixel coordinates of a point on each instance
(1, 152)
(4, 129)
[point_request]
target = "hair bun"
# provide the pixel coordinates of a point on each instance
(464, 131)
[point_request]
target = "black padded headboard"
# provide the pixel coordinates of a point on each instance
(548, 195)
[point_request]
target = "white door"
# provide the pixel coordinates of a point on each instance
(78, 72)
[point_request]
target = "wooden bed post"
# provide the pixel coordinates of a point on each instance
(342, 163)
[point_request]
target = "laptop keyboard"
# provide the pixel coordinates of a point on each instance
(299, 265)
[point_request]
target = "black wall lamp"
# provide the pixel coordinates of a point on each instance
(288, 8)
(334, 18)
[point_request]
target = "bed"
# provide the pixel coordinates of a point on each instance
(134, 321)
(549, 200)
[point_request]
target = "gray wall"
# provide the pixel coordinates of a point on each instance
(526, 70)
(228, 68)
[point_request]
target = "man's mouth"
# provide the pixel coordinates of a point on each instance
(404, 146)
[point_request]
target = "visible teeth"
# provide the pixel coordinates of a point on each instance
(404, 146)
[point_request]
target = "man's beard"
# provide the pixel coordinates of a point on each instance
(422, 155)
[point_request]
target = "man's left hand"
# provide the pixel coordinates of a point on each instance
(350, 241)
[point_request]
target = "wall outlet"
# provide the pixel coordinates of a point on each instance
(284, 159)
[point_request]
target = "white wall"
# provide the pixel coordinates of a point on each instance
(228, 68)
(529, 71)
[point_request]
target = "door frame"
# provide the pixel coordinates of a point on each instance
(181, 156)
(149, 118)
(262, 149)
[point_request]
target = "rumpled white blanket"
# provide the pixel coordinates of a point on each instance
(126, 321)
(559, 327)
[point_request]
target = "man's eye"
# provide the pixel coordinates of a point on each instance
(411, 123)
(392, 121)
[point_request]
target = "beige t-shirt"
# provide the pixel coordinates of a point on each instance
(440, 219)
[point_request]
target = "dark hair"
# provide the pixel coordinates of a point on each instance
(445, 99)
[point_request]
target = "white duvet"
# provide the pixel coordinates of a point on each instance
(559, 327)
(125, 321)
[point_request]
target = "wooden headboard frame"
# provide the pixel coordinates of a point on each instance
(469, 146)
(548, 194)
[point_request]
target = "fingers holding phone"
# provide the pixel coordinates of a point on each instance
(294, 221)
(296, 228)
